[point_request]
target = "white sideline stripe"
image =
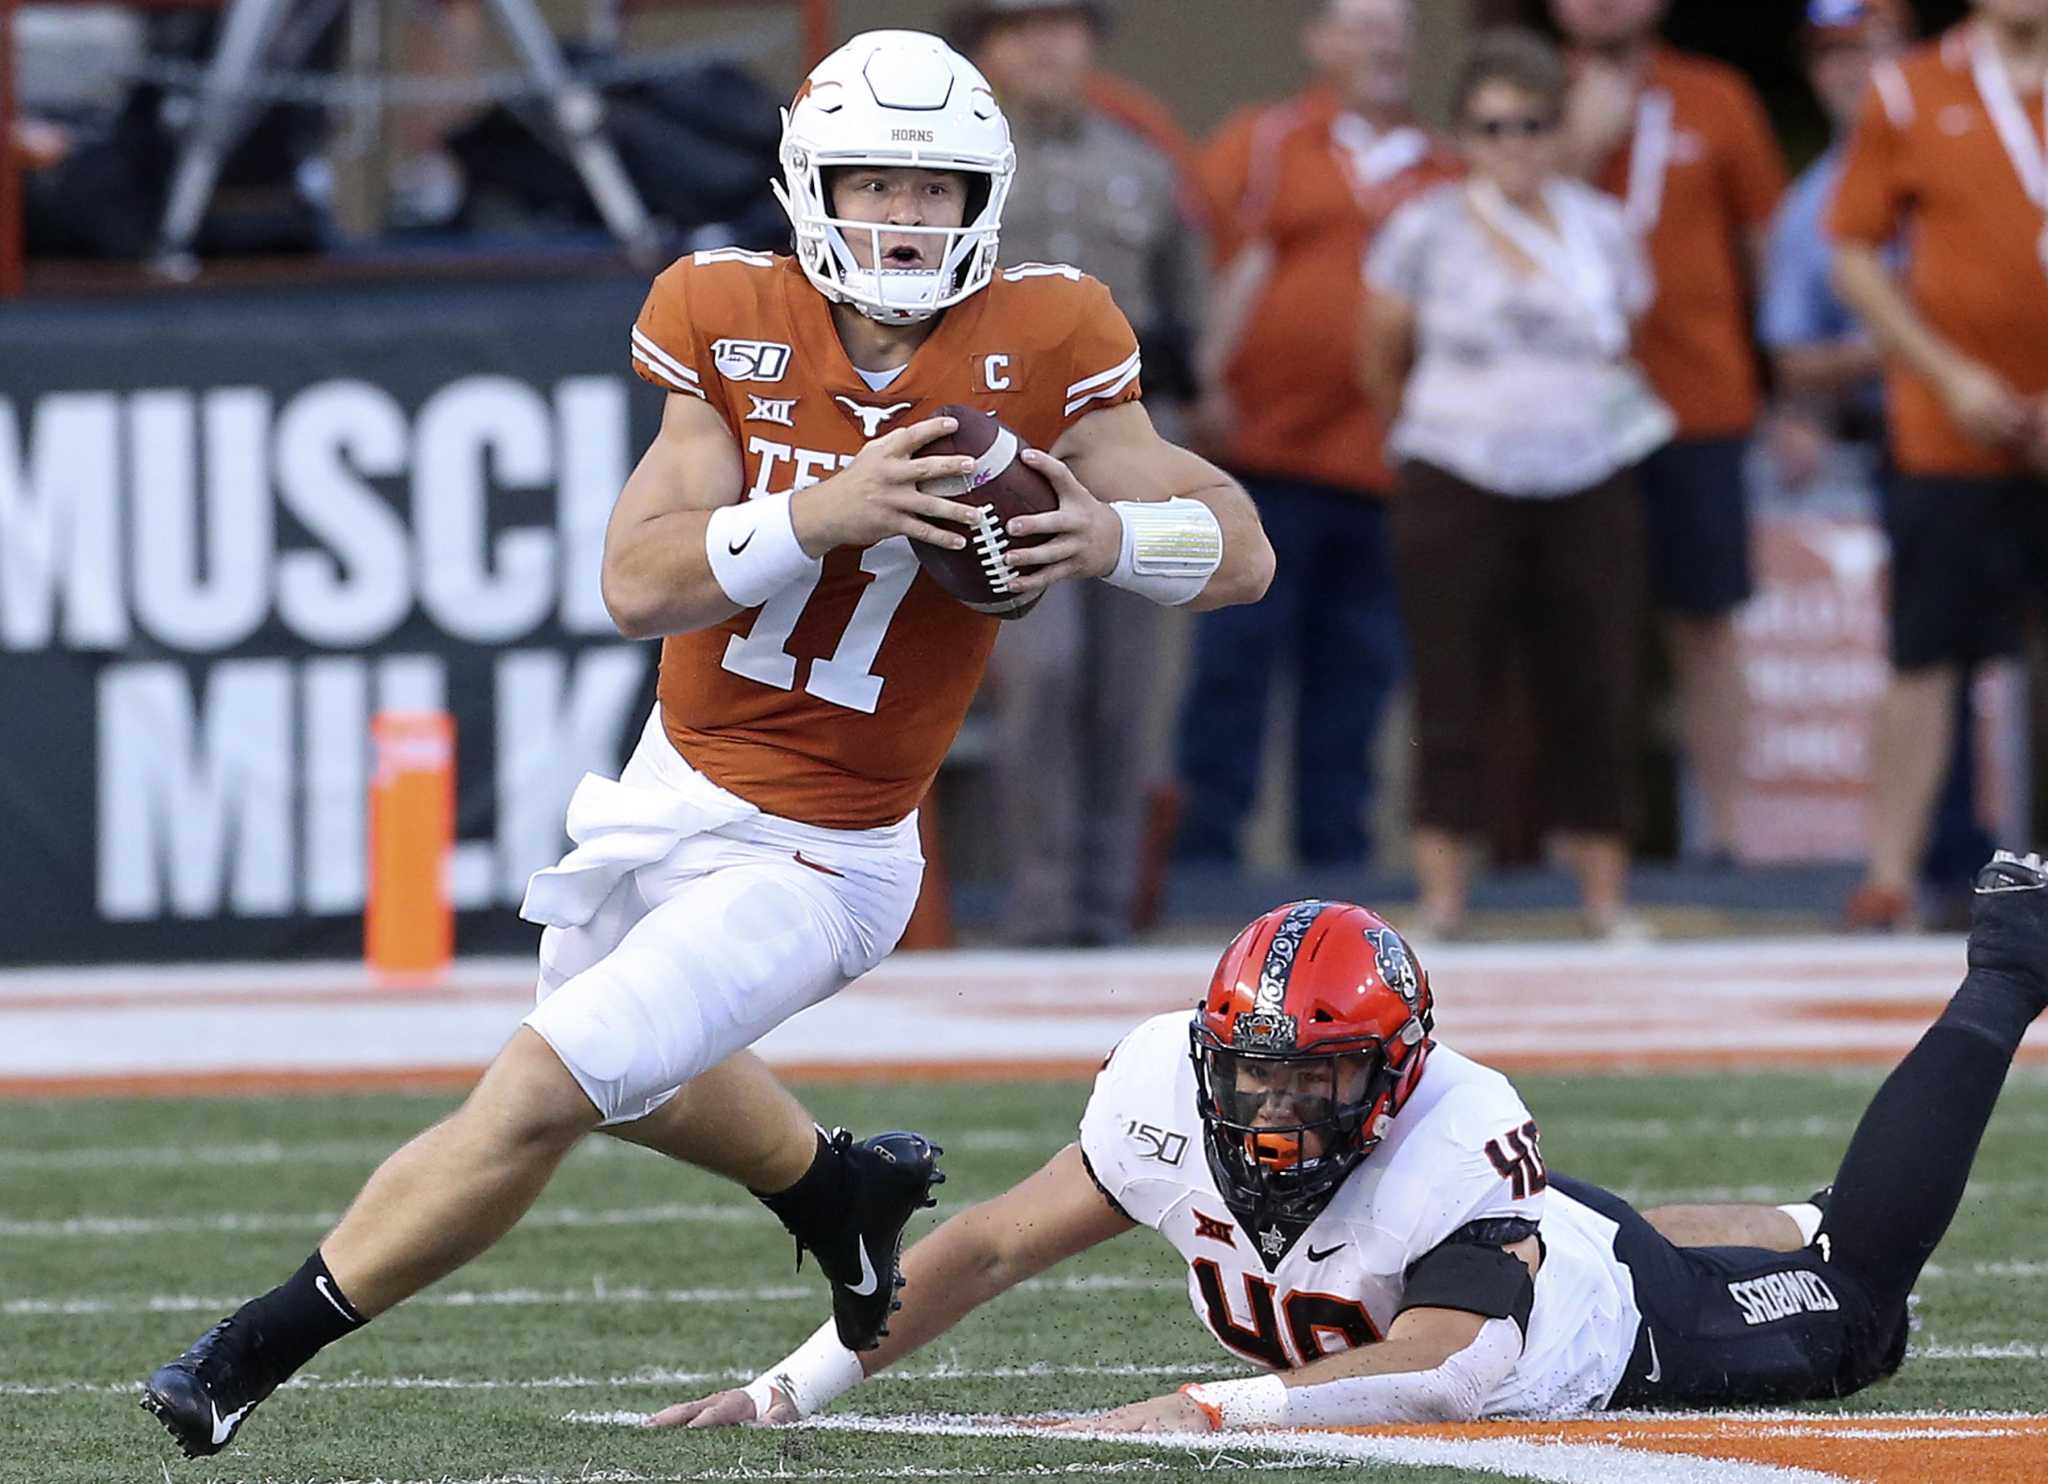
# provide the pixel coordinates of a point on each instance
(645, 342)
(596, 1293)
(1553, 1463)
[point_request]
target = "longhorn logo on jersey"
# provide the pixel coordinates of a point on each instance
(869, 418)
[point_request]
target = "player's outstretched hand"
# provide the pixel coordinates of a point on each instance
(876, 496)
(723, 1409)
(1083, 537)
(1175, 1414)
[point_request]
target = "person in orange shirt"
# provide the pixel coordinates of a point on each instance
(1685, 144)
(761, 849)
(1950, 153)
(1297, 189)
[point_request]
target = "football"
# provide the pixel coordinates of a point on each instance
(1001, 486)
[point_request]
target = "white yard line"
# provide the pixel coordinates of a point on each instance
(597, 1293)
(650, 1376)
(269, 1152)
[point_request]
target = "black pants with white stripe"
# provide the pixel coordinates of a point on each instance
(1742, 1326)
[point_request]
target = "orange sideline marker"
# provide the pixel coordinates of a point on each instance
(408, 920)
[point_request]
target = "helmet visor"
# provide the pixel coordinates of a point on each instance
(1288, 1109)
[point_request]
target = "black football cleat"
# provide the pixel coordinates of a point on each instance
(891, 1177)
(2009, 920)
(205, 1395)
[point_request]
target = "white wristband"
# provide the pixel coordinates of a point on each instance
(1171, 549)
(1255, 1401)
(813, 1376)
(753, 549)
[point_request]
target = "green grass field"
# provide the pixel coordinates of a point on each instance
(127, 1227)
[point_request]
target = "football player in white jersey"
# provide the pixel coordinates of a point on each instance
(1367, 1217)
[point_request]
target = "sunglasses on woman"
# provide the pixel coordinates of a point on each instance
(1513, 126)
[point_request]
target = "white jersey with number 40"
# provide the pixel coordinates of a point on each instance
(1463, 1149)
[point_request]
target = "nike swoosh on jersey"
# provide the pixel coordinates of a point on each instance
(224, 1427)
(868, 1280)
(1315, 1256)
(817, 866)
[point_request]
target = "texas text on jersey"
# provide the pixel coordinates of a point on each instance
(1464, 1150)
(835, 701)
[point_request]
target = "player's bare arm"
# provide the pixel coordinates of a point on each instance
(657, 569)
(973, 1257)
(1117, 454)
(1436, 1364)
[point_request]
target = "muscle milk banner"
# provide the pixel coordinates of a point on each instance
(234, 527)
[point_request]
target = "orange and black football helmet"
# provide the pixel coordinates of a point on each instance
(1312, 1035)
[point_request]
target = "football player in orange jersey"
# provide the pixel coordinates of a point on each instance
(760, 850)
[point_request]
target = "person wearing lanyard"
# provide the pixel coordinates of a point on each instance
(1299, 187)
(1497, 344)
(1684, 141)
(1951, 151)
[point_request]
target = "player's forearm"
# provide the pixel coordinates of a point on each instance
(1868, 288)
(658, 580)
(1246, 570)
(1391, 1382)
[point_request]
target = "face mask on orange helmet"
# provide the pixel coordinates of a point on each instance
(895, 99)
(1312, 1035)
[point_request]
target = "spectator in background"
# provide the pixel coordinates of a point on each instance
(1684, 142)
(1497, 345)
(1072, 686)
(1297, 190)
(1827, 429)
(1827, 368)
(1949, 154)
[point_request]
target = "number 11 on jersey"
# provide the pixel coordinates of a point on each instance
(846, 678)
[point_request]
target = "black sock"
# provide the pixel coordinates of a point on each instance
(296, 1319)
(1909, 1159)
(818, 1201)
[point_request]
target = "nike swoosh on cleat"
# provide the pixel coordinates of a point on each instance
(224, 1427)
(868, 1281)
(1656, 1362)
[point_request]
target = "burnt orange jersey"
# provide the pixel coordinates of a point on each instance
(834, 702)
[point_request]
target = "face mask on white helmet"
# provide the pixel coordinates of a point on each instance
(895, 99)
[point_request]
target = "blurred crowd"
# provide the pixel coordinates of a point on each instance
(1499, 386)
(1496, 388)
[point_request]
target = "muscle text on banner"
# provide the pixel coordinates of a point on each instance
(220, 558)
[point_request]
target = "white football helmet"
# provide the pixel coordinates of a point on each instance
(905, 99)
